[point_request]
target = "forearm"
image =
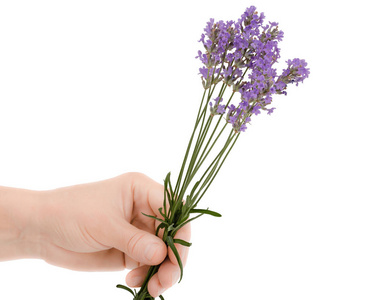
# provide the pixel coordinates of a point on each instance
(19, 233)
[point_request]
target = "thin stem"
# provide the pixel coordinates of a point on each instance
(200, 139)
(214, 163)
(202, 158)
(208, 124)
(189, 145)
(197, 145)
(202, 135)
(212, 179)
(143, 292)
(192, 159)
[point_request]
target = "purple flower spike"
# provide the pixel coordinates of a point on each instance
(243, 127)
(247, 46)
(217, 109)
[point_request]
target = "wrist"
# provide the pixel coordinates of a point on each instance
(20, 218)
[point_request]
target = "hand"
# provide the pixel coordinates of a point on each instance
(100, 227)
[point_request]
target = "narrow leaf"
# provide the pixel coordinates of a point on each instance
(205, 211)
(161, 212)
(161, 297)
(182, 242)
(183, 219)
(169, 198)
(165, 200)
(155, 218)
(166, 192)
(194, 188)
(170, 188)
(125, 288)
(161, 225)
(167, 178)
(183, 224)
(175, 252)
(170, 227)
(188, 201)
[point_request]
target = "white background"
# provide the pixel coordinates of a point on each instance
(93, 89)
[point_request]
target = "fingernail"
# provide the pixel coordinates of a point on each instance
(150, 251)
(183, 253)
(175, 276)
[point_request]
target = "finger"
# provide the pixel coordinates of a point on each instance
(131, 263)
(141, 246)
(148, 191)
(167, 275)
(106, 260)
(136, 277)
(183, 234)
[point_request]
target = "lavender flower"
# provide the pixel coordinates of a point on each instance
(217, 109)
(247, 47)
(240, 55)
(296, 71)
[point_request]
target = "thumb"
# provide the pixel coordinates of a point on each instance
(140, 245)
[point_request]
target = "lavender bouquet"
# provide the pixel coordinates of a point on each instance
(238, 58)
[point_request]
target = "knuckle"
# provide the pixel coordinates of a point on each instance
(132, 243)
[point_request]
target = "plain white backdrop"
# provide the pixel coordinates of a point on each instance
(93, 89)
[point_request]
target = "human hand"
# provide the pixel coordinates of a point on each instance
(100, 227)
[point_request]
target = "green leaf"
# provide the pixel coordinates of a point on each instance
(165, 200)
(161, 225)
(182, 242)
(166, 192)
(161, 212)
(170, 227)
(161, 297)
(194, 188)
(169, 197)
(183, 219)
(188, 200)
(125, 288)
(153, 217)
(205, 211)
(170, 187)
(183, 224)
(175, 252)
(167, 178)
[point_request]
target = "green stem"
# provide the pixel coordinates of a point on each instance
(213, 177)
(200, 140)
(190, 142)
(211, 168)
(181, 192)
(143, 292)
(202, 157)
(201, 160)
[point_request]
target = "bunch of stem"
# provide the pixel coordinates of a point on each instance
(202, 143)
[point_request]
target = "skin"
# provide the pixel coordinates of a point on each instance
(92, 227)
